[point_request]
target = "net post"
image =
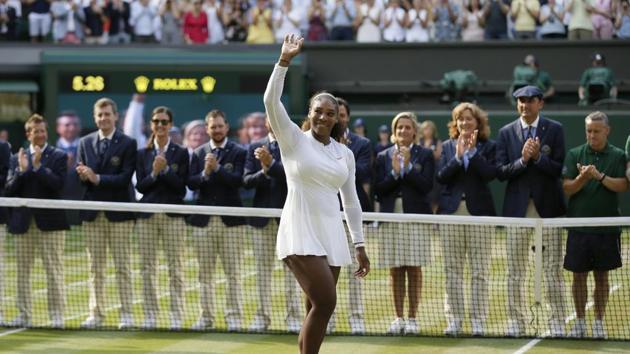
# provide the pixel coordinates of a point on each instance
(538, 261)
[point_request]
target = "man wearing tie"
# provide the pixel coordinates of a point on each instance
(264, 172)
(530, 156)
(38, 172)
(216, 173)
(5, 158)
(106, 162)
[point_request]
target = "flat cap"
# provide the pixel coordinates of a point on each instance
(383, 128)
(358, 123)
(528, 91)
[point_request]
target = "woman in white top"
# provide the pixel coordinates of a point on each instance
(393, 21)
(214, 12)
(311, 238)
(473, 22)
(417, 23)
(369, 23)
(286, 20)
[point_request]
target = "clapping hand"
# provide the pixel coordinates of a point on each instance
(210, 163)
(159, 163)
(22, 160)
(86, 174)
(264, 156)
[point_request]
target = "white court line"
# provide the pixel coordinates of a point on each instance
(17, 330)
(570, 318)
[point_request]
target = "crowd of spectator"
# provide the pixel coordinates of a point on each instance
(175, 22)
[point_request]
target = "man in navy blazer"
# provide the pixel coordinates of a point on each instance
(38, 172)
(265, 173)
(530, 156)
(106, 162)
(5, 157)
(216, 173)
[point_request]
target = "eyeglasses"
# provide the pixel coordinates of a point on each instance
(161, 121)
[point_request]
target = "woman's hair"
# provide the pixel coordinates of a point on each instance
(157, 110)
(480, 115)
(414, 121)
(190, 126)
(337, 132)
(430, 124)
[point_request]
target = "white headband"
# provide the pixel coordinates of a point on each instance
(325, 94)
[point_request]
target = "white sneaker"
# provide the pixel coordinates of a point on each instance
(126, 321)
(454, 328)
(201, 325)
(233, 324)
(92, 322)
(259, 324)
(477, 326)
(556, 329)
(579, 329)
(357, 326)
(514, 329)
(397, 327)
(56, 322)
(149, 322)
(293, 325)
(598, 330)
(20, 321)
(411, 327)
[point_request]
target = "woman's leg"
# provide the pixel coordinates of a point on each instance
(318, 280)
(398, 289)
(414, 278)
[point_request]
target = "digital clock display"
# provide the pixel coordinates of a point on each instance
(84, 83)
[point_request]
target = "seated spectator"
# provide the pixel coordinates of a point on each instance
(8, 21)
(602, 18)
(67, 17)
(529, 73)
(383, 139)
(594, 176)
(39, 20)
(94, 18)
(196, 25)
(260, 29)
(445, 15)
(316, 22)
(473, 22)
(459, 85)
(393, 22)
(340, 15)
(368, 22)
(580, 26)
(597, 82)
(286, 20)
(234, 20)
(622, 20)
(418, 22)
(525, 13)
(551, 18)
(143, 16)
(495, 15)
(171, 18)
(214, 12)
(118, 12)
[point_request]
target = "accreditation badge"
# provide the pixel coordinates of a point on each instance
(115, 161)
(417, 167)
(228, 167)
(174, 167)
(545, 149)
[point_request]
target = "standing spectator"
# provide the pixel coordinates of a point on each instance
(340, 15)
(38, 172)
(171, 18)
(5, 160)
(622, 20)
(594, 176)
(418, 21)
(287, 20)
(107, 159)
(445, 15)
(530, 154)
(393, 22)
(473, 22)
(551, 17)
(264, 171)
(214, 12)
(358, 127)
(404, 177)
(495, 14)
(142, 19)
(525, 13)
(69, 131)
(466, 167)
(602, 17)
(581, 25)
(368, 22)
(256, 126)
(234, 21)
(39, 20)
(94, 19)
(384, 141)
(597, 82)
(196, 24)
(118, 12)
(429, 139)
(162, 171)
(217, 173)
(195, 135)
(8, 21)
(316, 22)
(67, 17)
(260, 30)
(4, 135)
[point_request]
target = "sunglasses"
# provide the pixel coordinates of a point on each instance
(161, 121)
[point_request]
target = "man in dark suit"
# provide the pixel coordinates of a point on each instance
(530, 156)
(5, 157)
(264, 172)
(216, 173)
(38, 172)
(106, 162)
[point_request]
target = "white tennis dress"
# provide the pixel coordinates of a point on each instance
(311, 223)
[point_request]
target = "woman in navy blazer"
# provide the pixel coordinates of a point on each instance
(404, 179)
(162, 170)
(466, 167)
